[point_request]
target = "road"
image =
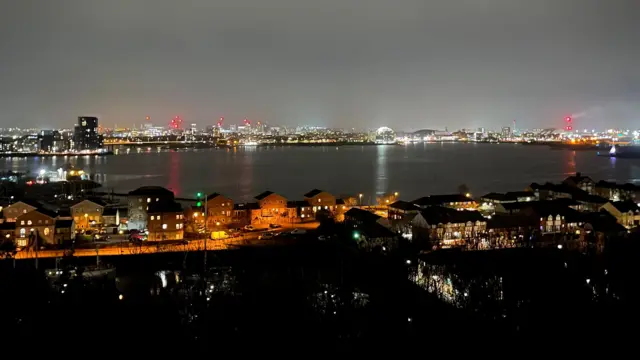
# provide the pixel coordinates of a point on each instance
(127, 248)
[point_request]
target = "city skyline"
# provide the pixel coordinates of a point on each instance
(409, 65)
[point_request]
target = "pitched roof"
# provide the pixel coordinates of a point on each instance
(591, 199)
(96, 201)
(377, 231)
(443, 215)
(313, 193)
(578, 177)
(494, 196)
(403, 205)
(435, 200)
(164, 207)
(46, 212)
(263, 195)
(626, 206)
(361, 215)
(213, 196)
(519, 194)
(150, 190)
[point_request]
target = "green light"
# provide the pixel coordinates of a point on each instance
(199, 194)
(356, 235)
(199, 203)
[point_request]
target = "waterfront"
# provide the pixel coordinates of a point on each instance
(414, 170)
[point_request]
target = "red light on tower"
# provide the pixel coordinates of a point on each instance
(568, 119)
(148, 118)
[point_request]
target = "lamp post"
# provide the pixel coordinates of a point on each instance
(206, 217)
(360, 199)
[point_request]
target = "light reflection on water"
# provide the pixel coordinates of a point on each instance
(241, 173)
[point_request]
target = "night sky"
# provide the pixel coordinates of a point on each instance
(408, 64)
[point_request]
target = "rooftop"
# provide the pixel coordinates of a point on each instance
(313, 193)
(151, 190)
(263, 195)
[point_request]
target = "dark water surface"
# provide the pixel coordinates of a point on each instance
(414, 170)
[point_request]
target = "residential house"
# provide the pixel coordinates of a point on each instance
(322, 200)
(139, 200)
(369, 230)
(617, 192)
(440, 225)
(219, 210)
(165, 221)
(87, 214)
(114, 218)
(488, 202)
(245, 214)
(38, 225)
(400, 214)
(357, 217)
(11, 212)
(590, 202)
(273, 208)
(549, 191)
(300, 211)
(507, 229)
(64, 231)
(455, 201)
(579, 181)
(627, 213)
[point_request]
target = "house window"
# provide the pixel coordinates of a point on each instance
(46, 221)
(164, 226)
(75, 218)
(23, 233)
(39, 221)
(153, 217)
(177, 226)
(46, 231)
(139, 200)
(22, 222)
(158, 217)
(157, 199)
(177, 217)
(29, 222)
(24, 211)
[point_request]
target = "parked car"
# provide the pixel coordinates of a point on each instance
(266, 236)
(274, 226)
(298, 232)
(249, 228)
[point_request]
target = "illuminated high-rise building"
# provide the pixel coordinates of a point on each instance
(86, 134)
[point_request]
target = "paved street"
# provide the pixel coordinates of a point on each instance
(127, 248)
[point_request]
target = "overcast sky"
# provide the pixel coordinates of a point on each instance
(408, 64)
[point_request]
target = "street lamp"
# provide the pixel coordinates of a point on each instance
(200, 195)
(360, 199)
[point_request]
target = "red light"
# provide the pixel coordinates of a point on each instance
(568, 118)
(148, 118)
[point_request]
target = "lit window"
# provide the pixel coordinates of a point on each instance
(24, 211)
(177, 226)
(23, 233)
(164, 226)
(153, 217)
(22, 222)
(148, 200)
(158, 217)
(177, 217)
(29, 222)
(46, 221)
(46, 231)
(319, 200)
(302, 216)
(39, 221)
(139, 200)
(157, 199)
